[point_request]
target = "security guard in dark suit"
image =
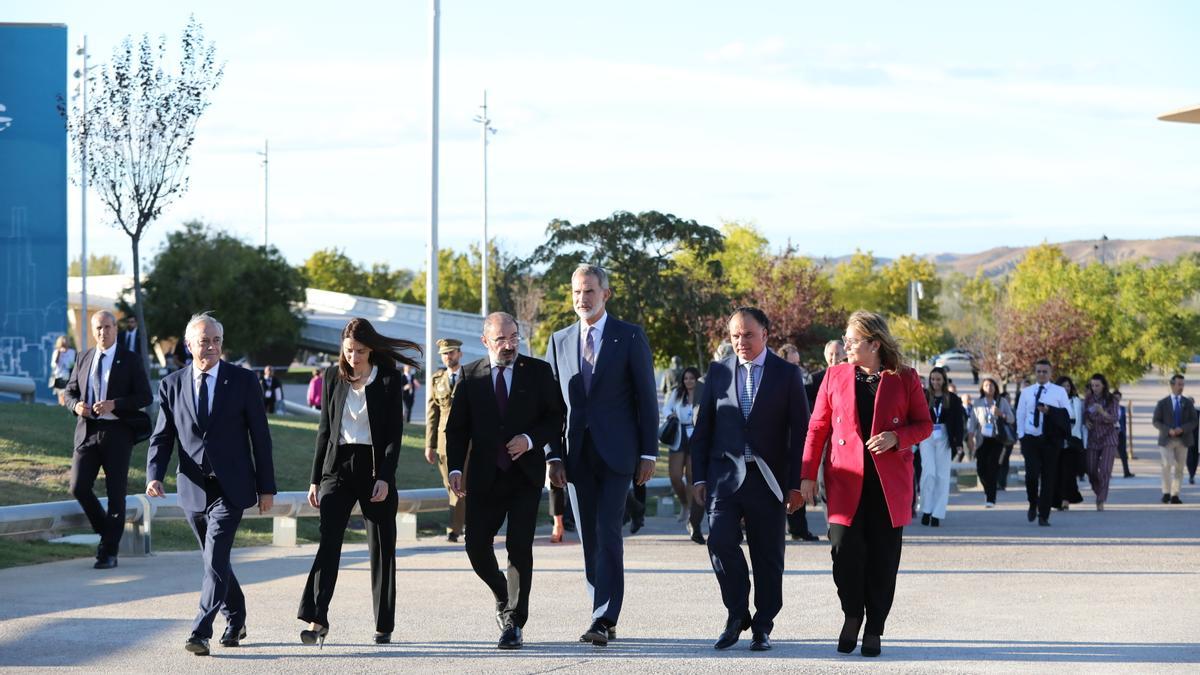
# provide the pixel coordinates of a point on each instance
(437, 411)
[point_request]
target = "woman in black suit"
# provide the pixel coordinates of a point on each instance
(358, 442)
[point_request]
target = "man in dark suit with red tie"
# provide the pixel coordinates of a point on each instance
(107, 390)
(606, 374)
(506, 410)
(746, 453)
(213, 411)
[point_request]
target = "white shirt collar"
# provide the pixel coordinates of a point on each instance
(509, 366)
(109, 353)
(597, 328)
(196, 372)
(758, 360)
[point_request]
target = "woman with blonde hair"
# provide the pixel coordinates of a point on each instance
(872, 411)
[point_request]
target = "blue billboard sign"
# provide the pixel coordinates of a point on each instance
(33, 198)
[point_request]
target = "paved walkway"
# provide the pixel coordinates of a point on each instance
(987, 592)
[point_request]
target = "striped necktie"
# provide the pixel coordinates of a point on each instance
(747, 401)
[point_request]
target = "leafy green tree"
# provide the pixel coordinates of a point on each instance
(642, 252)
(798, 298)
(330, 269)
(98, 265)
(252, 290)
(459, 281)
(919, 339)
(857, 284)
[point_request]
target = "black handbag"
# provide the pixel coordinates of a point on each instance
(668, 430)
(1010, 433)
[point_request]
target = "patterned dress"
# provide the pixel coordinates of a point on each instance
(1101, 444)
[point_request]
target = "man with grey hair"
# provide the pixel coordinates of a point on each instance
(506, 411)
(213, 412)
(606, 374)
(107, 391)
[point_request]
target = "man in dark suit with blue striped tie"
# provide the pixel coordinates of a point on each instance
(746, 452)
(213, 411)
(606, 374)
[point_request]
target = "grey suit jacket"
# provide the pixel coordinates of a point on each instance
(1164, 420)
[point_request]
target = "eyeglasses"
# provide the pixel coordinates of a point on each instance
(850, 342)
(514, 340)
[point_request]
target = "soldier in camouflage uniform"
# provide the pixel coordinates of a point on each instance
(437, 411)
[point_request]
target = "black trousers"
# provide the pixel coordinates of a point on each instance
(214, 528)
(1041, 470)
(987, 463)
(866, 558)
(108, 445)
(1193, 459)
(509, 496)
(352, 484)
(797, 522)
(764, 515)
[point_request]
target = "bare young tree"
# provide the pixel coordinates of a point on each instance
(138, 130)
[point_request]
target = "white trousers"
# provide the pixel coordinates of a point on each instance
(935, 476)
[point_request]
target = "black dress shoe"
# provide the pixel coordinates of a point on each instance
(452, 537)
(510, 638)
(809, 536)
(596, 634)
(1174, 500)
(934, 522)
(1032, 514)
(638, 524)
(848, 639)
(105, 562)
(870, 646)
(761, 642)
(733, 630)
(1129, 475)
(925, 518)
(197, 645)
(1166, 499)
(697, 536)
(232, 637)
(382, 638)
(1043, 522)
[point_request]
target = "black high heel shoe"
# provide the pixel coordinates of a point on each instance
(848, 640)
(870, 645)
(315, 637)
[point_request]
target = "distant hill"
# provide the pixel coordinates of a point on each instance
(997, 261)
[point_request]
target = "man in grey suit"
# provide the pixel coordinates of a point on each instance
(1175, 419)
(746, 453)
(606, 374)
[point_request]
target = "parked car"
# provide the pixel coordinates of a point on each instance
(955, 357)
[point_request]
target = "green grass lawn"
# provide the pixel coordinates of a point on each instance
(36, 443)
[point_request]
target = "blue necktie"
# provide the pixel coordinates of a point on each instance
(747, 401)
(1178, 414)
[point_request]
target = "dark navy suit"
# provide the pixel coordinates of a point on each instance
(775, 431)
(222, 470)
(610, 426)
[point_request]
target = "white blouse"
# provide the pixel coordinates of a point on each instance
(356, 426)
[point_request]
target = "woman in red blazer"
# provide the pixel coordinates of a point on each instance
(871, 411)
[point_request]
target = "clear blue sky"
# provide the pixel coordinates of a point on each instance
(896, 127)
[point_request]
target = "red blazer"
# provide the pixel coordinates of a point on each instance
(900, 407)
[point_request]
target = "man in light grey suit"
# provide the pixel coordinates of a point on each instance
(606, 373)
